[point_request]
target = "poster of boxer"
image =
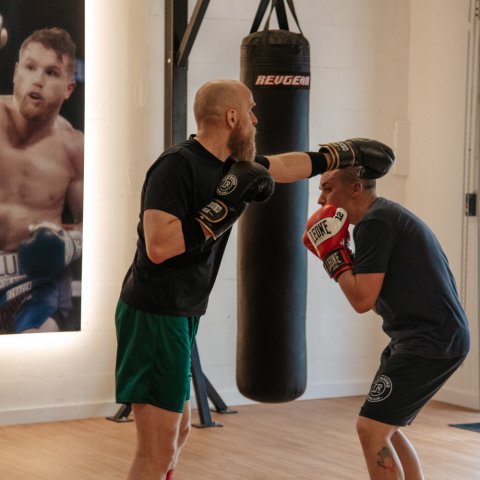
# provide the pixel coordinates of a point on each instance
(41, 164)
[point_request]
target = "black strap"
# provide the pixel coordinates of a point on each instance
(294, 14)
(262, 8)
(279, 6)
(282, 15)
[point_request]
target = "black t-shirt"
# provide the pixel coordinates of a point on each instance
(418, 301)
(180, 182)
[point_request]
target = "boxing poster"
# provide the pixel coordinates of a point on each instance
(41, 164)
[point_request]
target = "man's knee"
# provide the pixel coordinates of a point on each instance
(364, 430)
(369, 430)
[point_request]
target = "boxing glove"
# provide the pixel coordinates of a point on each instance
(48, 250)
(245, 182)
(326, 235)
(373, 158)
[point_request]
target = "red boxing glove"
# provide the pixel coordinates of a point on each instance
(327, 236)
(307, 242)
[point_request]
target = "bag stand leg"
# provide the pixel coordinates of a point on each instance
(204, 390)
(122, 414)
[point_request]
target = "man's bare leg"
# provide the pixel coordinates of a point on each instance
(408, 456)
(382, 460)
(183, 432)
(157, 437)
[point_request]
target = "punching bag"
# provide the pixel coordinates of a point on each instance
(271, 258)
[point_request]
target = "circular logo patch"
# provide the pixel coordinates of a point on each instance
(227, 185)
(381, 389)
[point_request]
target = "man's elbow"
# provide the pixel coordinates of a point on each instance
(363, 305)
(157, 255)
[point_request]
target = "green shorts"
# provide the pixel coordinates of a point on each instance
(153, 357)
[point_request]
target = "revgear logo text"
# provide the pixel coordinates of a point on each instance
(301, 81)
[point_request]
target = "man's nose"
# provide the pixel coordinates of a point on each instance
(38, 77)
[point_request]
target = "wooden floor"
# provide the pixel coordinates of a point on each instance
(306, 439)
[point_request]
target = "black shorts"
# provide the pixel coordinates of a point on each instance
(403, 384)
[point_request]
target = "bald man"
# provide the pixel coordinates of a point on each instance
(191, 197)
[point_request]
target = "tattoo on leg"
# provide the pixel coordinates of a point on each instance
(385, 460)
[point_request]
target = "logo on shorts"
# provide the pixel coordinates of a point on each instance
(227, 185)
(381, 389)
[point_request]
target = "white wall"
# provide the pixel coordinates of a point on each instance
(358, 89)
(70, 375)
(441, 37)
(360, 78)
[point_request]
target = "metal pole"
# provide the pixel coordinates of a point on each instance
(175, 114)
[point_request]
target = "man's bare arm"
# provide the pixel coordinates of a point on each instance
(163, 235)
(362, 290)
(75, 192)
(290, 167)
(293, 166)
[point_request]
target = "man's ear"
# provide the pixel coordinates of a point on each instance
(70, 88)
(357, 188)
(15, 72)
(231, 117)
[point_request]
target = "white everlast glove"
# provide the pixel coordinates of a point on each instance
(48, 250)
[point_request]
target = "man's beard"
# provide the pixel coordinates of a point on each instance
(241, 145)
(32, 111)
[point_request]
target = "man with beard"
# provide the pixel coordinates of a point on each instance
(41, 171)
(191, 197)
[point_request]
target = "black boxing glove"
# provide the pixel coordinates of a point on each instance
(373, 158)
(48, 250)
(245, 182)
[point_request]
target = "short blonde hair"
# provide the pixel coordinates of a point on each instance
(55, 39)
(352, 174)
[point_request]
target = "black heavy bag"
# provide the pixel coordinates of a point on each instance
(271, 260)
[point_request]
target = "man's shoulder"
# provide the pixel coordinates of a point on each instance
(187, 149)
(5, 103)
(381, 210)
(184, 153)
(72, 141)
(6, 99)
(66, 127)
(69, 134)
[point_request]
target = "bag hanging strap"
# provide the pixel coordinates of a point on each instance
(262, 8)
(291, 6)
(281, 15)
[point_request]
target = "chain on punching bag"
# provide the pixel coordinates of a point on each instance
(271, 260)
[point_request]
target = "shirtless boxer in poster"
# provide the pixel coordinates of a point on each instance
(41, 172)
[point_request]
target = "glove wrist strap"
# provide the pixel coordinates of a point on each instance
(217, 217)
(337, 261)
(319, 163)
(193, 235)
(341, 153)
